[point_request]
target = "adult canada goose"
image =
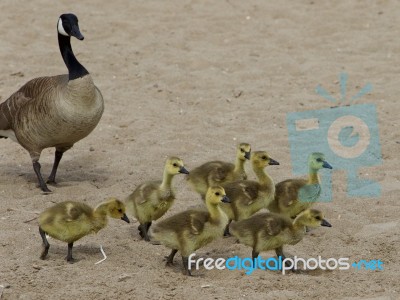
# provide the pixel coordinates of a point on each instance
(151, 200)
(219, 172)
(292, 196)
(69, 221)
(249, 196)
(192, 229)
(55, 111)
(269, 231)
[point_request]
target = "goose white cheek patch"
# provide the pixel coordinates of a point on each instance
(60, 28)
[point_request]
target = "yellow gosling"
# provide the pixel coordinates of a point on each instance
(151, 200)
(69, 221)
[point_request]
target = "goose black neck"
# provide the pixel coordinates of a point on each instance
(75, 69)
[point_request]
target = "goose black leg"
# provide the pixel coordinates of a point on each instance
(186, 270)
(42, 184)
(57, 157)
(70, 259)
(170, 258)
(46, 244)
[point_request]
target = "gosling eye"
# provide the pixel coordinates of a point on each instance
(120, 210)
(318, 218)
(241, 150)
(264, 157)
(319, 159)
(217, 194)
(175, 164)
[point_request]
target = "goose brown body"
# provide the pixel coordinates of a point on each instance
(55, 111)
(219, 172)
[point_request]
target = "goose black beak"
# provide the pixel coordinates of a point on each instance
(125, 218)
(325, 223)
(225, 199)
(326, 165)
(273, 162)
(77, 33)
(247, 155)
(183, 170)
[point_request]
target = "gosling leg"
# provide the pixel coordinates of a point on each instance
(57, 157)
(254, 254)
(279, 252)
(170, 258)
(46, 244)
(42, 184)
(70, 259)
(186, 270)
(146, 231)
(226, 232)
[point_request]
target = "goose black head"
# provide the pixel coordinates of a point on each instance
(68, 26)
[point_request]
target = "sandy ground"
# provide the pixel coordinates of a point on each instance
(191, 79)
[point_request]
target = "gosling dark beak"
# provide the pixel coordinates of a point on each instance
(273, 162)
(183, 170)
(125, 218)
(225, 199)
(247, 155)
(325, 223)
(76, 33)
(326, 165)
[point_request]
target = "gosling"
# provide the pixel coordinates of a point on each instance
(293, 196)
(248, 196)
(269, 231)
(69, 221)
(151, 200)
(219, 172)
(192, 229)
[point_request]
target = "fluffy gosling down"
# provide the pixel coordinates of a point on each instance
(293, 196)
(219, 172)
(55, 111)
(151, 200)
(269, 231)
(192, 229)
(69, 221)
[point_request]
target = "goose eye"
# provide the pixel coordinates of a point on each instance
(318, 218)
(264, 157)
(319, 159)
(120, 210)
(242, 150)
(217, 194)
(175, 164)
